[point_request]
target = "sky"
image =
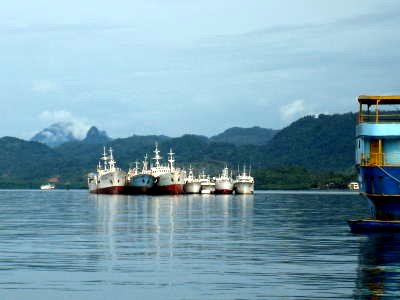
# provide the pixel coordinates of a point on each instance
(181, 66)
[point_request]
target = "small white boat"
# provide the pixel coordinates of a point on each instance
(48, 186)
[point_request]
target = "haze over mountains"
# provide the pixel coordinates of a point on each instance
(313, 143)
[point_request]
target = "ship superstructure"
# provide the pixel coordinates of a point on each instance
(244, 183)
(378, 154)
(109, 179)
(224, 182)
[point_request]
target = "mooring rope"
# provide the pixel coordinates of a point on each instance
(388, 174)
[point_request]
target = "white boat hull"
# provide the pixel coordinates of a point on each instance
(169, 183)
(244, 188)
(223, 187)
(192, 188)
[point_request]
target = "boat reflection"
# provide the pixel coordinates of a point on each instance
(378, 273)
(160, 226)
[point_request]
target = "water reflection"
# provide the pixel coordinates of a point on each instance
(379, 267)
(164, 226)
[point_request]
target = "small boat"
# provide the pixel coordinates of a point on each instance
(244, 183)
(109, 179)
(47, 186)
(354, 186)
(224, 183)
(192, 185)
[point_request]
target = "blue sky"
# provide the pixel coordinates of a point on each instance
(174, 66)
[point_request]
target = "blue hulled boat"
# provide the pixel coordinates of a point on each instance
(378, 154)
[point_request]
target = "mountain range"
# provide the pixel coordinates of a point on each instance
(315, 144)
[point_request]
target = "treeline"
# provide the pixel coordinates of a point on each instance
(299, 178)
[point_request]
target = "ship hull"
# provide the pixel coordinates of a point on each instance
(381, 187)
(141, 184)
(223, 187)
(207, 189)
(112, 190)
(192, 188)
(244, 188)
(168, 184)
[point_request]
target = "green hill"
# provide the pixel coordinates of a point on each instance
(245, 136)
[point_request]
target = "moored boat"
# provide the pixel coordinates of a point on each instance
(244, 183)
(140, 182)
(192, 184)
(378, 155)
(169, 180)
(109, 179)
(207, 186)
(224, 183)
(48, 186)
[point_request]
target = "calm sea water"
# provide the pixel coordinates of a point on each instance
(72, 245)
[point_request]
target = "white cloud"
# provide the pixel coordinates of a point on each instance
(292, 110)
(78, 126)
(43, 86)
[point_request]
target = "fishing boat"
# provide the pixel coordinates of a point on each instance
(168, 179)
(48, 186)
(140, 182)
(224, 182)
(207, 186)
(192, 184)
(244, 183)
(378, 160)
(109, 179)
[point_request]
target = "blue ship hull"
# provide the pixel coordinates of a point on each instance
(141, 184)
(381, 185)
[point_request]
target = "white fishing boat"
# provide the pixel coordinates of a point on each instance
(192, 184)
(224, 182)
(47, 186)
(244, 183)
(109, 179)
(169, 180)
(207, 186)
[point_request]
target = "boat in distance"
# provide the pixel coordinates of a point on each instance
(244, 183)
(109, 179)
(47, 187)
(224, 183)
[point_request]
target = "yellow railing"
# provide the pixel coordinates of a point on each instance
(379, 118)
(380, 159)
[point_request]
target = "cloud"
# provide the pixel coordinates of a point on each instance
(78, 126)
(43, 86)
(292, 110)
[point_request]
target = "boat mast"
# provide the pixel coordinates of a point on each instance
(111, 161)
(171, 160)
(157, 156)
(104, 158)
(145, 163)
